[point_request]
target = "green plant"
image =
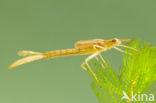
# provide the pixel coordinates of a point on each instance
(137, 76)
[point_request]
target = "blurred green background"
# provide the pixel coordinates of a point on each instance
(45, 25)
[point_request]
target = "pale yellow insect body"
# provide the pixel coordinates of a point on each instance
(93, 47)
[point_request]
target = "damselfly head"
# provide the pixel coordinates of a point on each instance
(119, 41)
(116, 41)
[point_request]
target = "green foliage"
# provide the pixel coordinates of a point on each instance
(137, 74)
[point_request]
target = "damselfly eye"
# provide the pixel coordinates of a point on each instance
(114, 40)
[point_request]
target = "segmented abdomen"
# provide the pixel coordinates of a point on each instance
(66, 52)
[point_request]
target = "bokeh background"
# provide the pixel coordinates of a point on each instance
(45, 25)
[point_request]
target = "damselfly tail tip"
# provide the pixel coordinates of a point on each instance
(11, 66)
(28, 53)
(16, 63)
(26, 60)
(22, 53)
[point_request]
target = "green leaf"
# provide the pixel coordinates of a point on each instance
(137, 74)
